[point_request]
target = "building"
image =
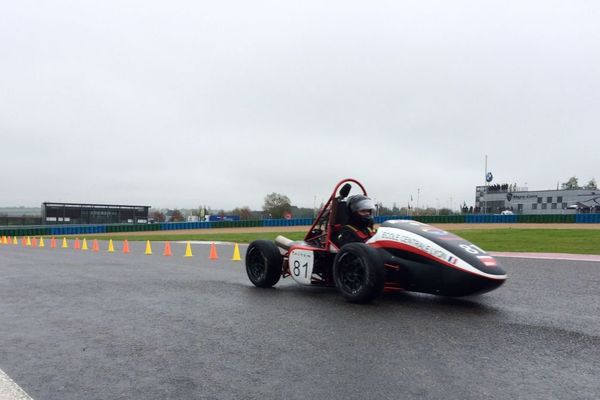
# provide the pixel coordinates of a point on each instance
(77, 213)
(497, 198)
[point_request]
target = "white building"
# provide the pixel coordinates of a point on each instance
(497, 198)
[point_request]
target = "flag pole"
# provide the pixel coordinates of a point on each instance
(486, 188)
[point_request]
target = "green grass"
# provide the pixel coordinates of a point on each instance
(245, 237)
(578, 241)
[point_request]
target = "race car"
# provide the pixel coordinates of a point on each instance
(403, 255)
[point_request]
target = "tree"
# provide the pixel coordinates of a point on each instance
(157, 216)
(243, 212)
(276, 205)
(571, 184)
(592, 184)
(176, 216)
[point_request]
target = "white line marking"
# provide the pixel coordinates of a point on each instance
(550, 256)
(9, 390)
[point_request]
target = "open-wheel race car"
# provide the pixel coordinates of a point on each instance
(403, 255)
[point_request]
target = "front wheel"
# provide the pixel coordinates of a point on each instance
(358, 273)
(263, 263)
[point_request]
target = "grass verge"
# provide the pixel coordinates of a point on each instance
(577, 241)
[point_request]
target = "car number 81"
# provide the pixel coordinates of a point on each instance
(301, 265)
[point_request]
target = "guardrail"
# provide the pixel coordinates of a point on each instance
(60, 230)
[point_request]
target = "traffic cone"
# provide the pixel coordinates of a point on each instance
(125, 246)
(42, 243)
(148, 248)
(236, 253)
(167, 251)
(111, 246)
(64, 243)
(15, 241)
(77, 245)
(27, 241)
(188, 250)
(84, 245)
(213, 252)
(34, 242)
(53, 243)
(95, 247)
(4, 239)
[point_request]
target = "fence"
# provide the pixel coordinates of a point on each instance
(59, 230)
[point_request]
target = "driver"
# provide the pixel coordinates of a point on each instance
(360, 223)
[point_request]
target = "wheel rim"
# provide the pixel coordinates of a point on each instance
(352, 273)
(255, 264)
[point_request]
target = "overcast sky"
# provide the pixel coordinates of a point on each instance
(188, 103)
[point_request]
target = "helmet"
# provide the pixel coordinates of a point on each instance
(358, 203)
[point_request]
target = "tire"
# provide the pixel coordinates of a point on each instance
(263, 263)
(358, 273)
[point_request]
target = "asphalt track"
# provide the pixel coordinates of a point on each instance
(81, 325)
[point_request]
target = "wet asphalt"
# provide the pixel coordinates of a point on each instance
(82, 325)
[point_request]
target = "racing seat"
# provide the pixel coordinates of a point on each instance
(341, 216)
(341, 213)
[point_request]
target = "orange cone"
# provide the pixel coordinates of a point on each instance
(24, 241)
(125, 246)
(95, 246)
(77, 245)
(34, 242)
(213, 252)
(167, 251)
(53, 243)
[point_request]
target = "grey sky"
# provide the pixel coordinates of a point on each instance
(180, 104)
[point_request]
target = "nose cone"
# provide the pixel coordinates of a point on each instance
(467, 285)
(488, 265)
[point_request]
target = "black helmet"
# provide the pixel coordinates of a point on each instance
(357, 203)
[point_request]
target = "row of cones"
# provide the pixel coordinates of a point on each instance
(28, 241)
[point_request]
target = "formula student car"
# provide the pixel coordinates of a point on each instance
(403, 255)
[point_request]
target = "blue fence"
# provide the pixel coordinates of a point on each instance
(491, 219)
(587, 218)
(59, 230)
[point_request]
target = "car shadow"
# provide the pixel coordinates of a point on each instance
(476, 304)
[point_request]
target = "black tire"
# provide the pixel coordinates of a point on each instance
(263, 263)
(358, 273)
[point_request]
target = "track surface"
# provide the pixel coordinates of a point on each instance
(83, 325)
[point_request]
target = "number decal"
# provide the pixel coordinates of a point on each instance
(301, 265)
(471, 248)
(297, 271)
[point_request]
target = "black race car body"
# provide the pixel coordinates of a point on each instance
(402, 255)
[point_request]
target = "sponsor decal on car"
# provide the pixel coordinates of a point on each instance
(413, 241)
(488, 261)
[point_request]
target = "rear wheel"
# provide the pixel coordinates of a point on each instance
(358, 273)
(263, 263)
